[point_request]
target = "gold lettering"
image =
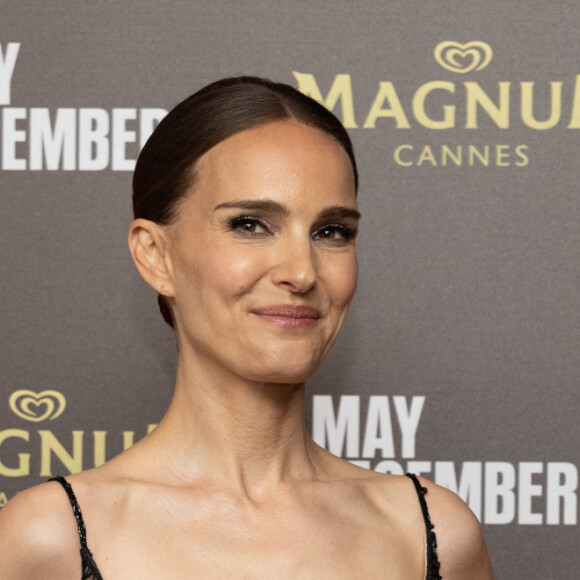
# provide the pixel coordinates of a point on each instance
(99, 446)
(23, 458)
(397, 156)
(3, 499)
(528, 106)
(446, 152)
(524, 159)
(387, 92)
(419, 106)
(501, 154)
(50, 444)
(341, 89)
(151, 427)
(427, 155)
(128, 439)
(473, 153)
(575, 119)
(500, 115)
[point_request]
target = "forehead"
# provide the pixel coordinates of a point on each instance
(284, 159)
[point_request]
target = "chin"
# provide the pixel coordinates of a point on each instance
(275, 361)
(285, 372)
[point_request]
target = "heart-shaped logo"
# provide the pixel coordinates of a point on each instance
(37, 406)
(463, 58)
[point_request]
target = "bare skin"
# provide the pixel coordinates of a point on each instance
(230, 484)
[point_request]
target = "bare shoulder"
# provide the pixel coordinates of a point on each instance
(461, 546)
(460, 543)
(38, 536)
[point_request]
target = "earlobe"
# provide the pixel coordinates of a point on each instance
(148, 246)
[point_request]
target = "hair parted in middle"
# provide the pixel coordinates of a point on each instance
(166, 167)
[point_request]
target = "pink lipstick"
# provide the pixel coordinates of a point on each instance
(288, 315)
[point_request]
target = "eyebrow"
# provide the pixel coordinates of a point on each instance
(269, 206)
(265, 205)
(339, 212)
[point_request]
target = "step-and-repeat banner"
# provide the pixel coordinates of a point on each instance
(460, 357)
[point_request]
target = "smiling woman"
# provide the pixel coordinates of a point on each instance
(243, 272)
(245, 226)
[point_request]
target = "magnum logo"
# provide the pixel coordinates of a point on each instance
(463, 58)
(455, 108)
(24, 452)
(37, 407)
(444, 104)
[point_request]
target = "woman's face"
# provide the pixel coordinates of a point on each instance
(263, 253)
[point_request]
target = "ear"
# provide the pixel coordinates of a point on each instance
(148, 244)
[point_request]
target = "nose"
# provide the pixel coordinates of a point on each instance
(295, 266)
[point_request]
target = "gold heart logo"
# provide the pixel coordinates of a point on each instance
(37, 406)
(463, 58)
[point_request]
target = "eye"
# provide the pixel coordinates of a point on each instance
(249, 225)
(335, 233)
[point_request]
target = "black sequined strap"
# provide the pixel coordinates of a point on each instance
(75, 507)
(432, 559)
(90, 570)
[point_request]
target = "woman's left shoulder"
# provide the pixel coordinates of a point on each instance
(461, 546)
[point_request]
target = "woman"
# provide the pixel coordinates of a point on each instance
(246, 218)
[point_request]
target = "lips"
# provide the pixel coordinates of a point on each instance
(288, 315)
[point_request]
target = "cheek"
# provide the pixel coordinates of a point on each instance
(241, 271)
(238, 270)
(342, 278)
(218, 274)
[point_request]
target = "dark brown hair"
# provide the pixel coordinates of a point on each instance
(165, 169)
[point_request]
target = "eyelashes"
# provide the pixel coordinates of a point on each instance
(256, 227)
(331, 231)
(251, 226)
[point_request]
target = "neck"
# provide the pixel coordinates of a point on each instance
(246, 434)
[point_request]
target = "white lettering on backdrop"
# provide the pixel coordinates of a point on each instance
(498, 492)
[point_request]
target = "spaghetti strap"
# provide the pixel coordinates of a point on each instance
(433, 564)
(90, 571)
